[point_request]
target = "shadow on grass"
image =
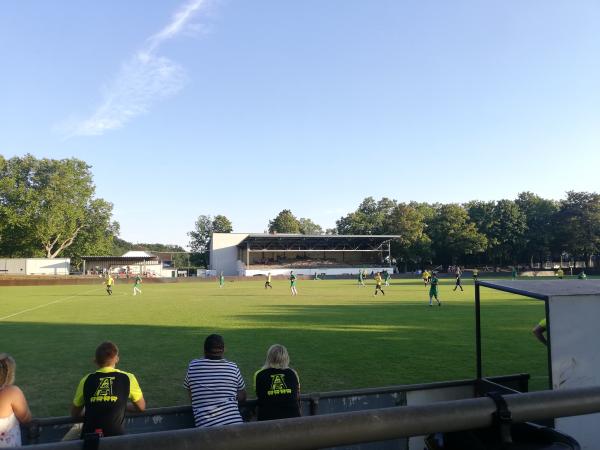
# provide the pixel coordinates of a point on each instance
(333, 347)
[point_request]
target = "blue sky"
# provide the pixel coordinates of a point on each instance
(245, 108)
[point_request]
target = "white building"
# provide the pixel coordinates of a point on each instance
(249, 254)
(35, 266)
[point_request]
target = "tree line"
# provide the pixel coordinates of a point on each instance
(527, 230)
(48, 208)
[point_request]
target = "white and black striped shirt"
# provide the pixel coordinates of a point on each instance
(214, 384)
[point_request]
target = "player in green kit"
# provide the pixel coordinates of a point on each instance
(293, 283)
(137, 286)
(386, 278)
(361, 278)
(433, 289)
(221, 280)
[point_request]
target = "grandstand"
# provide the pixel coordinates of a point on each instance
(132, 262)
(249, 254)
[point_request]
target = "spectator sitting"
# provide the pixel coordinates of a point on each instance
(277, 386)
(215, 386)
(13, 405)
(104, 395)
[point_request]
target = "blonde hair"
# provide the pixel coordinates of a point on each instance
(277, 357)
(7, 370)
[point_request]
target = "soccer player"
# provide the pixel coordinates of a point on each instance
(137, 285)
(458, 281)
(560, 273)
(221, 280)
(539, 331)
(514, 273)
(378, 280)
(582, 275)
(293, 283)
(109, 284)
(386, 277)
(426, 277)
(268, 282)
(475, 274)
(433, 290)
(361, 278)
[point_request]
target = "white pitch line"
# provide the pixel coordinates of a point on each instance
(43, 306)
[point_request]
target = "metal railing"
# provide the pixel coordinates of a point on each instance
(331, 430)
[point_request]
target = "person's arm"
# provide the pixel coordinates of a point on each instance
(77, 411)
(241, 395)
(77, 407)
(538, 332)
(137, 406)
(298, 396)
(20, 407)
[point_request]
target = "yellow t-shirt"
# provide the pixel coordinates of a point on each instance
(110, 281)
(135, 392)
(542, 323)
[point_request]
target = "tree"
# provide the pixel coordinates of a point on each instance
(578, 224)
(307, 226)
(97, 236)
(221, 224)
(507, 232)
(482, 215)
(369, 218)
(200, 236)
(453, 235)
(408, 222)
(46, 205)
(285, 222)
(540, 234)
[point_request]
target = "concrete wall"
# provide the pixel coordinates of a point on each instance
(13, 266)
(35, 266)
(46, 266)
(224, 252)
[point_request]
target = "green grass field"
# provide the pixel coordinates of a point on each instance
(339, 336)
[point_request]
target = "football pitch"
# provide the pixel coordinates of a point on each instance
(339, 336)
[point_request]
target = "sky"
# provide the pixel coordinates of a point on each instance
(245, 108)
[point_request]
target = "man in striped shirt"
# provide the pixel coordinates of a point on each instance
(215, 386)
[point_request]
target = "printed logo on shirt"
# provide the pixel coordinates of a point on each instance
(278, 386)
(104, 392)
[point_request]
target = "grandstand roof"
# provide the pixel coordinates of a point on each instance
(307, 242)
(120, 260)
(138, 253)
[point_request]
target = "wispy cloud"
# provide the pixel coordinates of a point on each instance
(142, 81)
